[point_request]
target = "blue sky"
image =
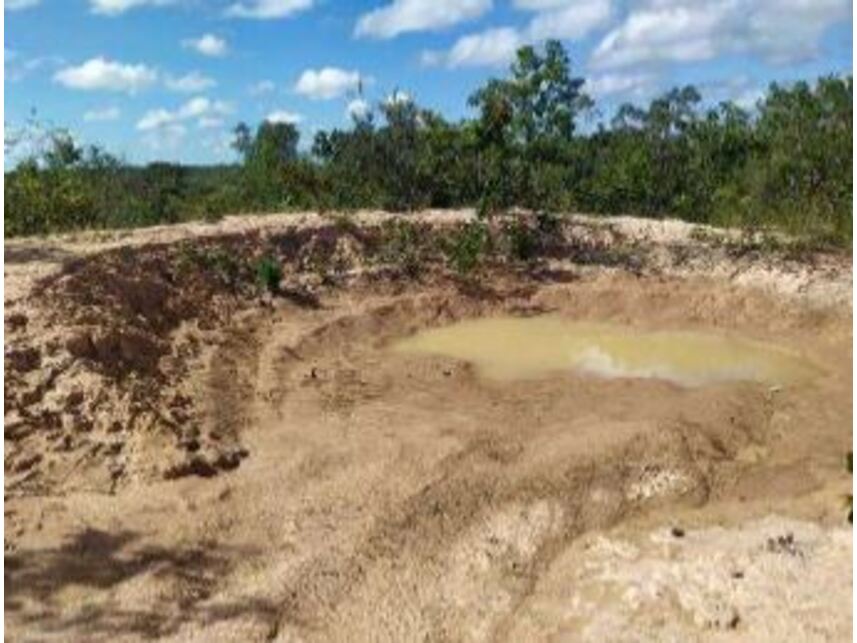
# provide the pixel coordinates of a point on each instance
(167, 79)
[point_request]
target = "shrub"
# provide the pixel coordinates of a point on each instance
(466, 247)
(269, 273)
(400, 246)
(522, 242)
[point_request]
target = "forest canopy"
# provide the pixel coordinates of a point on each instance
(785, 164)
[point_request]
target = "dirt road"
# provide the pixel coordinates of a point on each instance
(187, 460)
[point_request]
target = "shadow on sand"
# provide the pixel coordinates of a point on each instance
(174, 585)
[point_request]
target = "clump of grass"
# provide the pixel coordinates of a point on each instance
(218, 261)
(467, 247)
(269, 273)
(401, 247)
(522, 241)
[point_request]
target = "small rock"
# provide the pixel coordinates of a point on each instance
(16, 321)
(81, 346)
(23, 360)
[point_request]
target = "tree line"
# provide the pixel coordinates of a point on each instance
(786, 164)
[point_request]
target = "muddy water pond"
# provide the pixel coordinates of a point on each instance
(508, 348)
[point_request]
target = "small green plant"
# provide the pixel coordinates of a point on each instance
(269, 274)
(467, 246)
(218, 261)
(547, 222)
(522, 242)
(400, 246)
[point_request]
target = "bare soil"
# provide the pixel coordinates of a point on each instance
(191, 460)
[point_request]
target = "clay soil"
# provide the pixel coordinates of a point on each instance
(189, 459)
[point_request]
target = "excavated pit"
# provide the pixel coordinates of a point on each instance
(373, 454)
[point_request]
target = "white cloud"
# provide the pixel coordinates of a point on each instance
(636, 85)
(743, 90)
(219, 144)
(398, 97)
(694, 30)
(17, 5)
(207, 45)
(358, 108)
(198, 107)
(116, 7)
(283, 116)
(189, 83)
(262, 87)
(166, 139)
(570, 19)
(327, 83)
(490, 48)
(105, 114)
(17, 68)
(102, 74)
(267, 9)
(539, 5)
(155, 119)
(402, 16)
(210, 122)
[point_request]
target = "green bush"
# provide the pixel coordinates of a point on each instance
(401, 246)
(467, 246)
(269, 274)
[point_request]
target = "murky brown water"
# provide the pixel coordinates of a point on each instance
(513, 348)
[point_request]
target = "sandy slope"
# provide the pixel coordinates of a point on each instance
(386, 497)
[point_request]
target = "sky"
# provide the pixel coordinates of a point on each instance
(169, 79)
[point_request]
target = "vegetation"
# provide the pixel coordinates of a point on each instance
(464, 251)
(269, 273)
(785, 165)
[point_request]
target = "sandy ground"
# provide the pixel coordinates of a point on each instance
(241, 468)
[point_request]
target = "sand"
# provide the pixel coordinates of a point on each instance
(188, 460)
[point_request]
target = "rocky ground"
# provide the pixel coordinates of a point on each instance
(189, 457)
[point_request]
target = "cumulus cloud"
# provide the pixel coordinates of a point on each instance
(107, 75)
(17, 67)
(570, 19)
(490, 48)
(560, 19)
(693, 30)
(743, 90)
(117, 7)
(540, 5)
(398, 97)
(207, 45)
(358, 108)
(166, 139)
(267, 9)
(99, 115)
(401, 16)
(199, 107)
(262, 87)
(17, 5)
(219, 144)
(327, 83)
(210, 122)
(283, 116)
(636, 85)
(191, 83)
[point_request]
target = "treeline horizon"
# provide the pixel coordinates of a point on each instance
(786, 165)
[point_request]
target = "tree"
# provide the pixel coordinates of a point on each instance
(526, 127)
